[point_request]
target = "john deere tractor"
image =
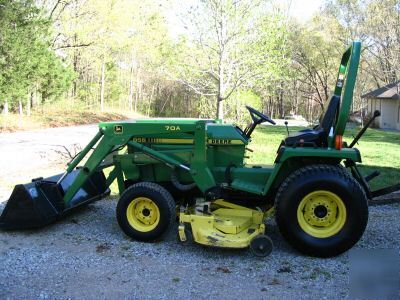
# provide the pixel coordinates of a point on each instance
(194, 171)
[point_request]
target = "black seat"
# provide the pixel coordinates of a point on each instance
(317, 136)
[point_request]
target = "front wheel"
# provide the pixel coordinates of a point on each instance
(321, 210)
(145, 211)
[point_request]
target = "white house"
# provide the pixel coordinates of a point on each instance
(387, 100)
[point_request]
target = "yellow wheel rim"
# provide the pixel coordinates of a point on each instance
(143, 214)
(321, 214)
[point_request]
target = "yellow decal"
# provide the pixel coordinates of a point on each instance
(186, 141)
(162, 141)
(224, 142)
(172, 128)
(118, 129)
(219, 142)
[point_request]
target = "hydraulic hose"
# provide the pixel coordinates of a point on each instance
(180, 186)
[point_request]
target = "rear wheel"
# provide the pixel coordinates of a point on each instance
(321, 210)
(145, 211)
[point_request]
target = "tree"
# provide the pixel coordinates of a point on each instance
(116, 48)
(377, 25)
(316, 58)
(25, 58)
(225, 48)
(382, 28)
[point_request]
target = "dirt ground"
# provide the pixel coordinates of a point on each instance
(86, 256)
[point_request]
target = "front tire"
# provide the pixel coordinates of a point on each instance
(321, 210)
(145, 211)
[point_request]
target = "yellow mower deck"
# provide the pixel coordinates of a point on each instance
(227, 225)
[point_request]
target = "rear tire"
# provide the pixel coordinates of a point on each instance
(321, 210)
(145, 211)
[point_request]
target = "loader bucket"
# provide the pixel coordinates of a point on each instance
(40, 202)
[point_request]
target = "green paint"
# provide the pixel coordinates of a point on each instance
(201, 150)
(349, 65)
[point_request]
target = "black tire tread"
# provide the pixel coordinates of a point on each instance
(336, 170)
(167, 195)
(164, 193)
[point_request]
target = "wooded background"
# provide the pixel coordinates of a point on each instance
(214, 57)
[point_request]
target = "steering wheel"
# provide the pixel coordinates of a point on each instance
(258, 117)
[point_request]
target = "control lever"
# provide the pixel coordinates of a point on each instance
(372, 176)
(376, 114)
(287, 128)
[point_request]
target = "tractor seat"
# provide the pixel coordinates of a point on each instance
(301, 137)
(317, 136)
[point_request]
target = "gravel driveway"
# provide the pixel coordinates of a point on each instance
(86, 256)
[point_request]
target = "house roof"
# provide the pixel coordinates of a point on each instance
(390, 91)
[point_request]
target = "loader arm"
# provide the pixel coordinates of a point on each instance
(117, 135)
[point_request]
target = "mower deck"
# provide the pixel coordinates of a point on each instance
(223, 225)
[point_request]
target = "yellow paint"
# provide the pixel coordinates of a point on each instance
(181, 232)
(329, 224)
(186, 141)
(162, 141)
(232, 220)
(172, 128)
(229, 225)
(118, 129)
(269, 213)
(223, 203)
(224, 142)
(143, 214)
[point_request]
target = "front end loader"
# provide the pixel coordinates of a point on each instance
(194, 170)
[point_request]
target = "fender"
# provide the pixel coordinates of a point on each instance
(286, 154)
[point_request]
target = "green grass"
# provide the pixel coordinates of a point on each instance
(380, 150)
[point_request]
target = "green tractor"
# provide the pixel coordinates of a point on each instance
(194, 170)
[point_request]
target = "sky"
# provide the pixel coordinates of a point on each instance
(304, 9)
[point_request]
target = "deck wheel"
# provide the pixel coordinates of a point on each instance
(261, 245)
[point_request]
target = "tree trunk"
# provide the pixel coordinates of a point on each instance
(5, 108)
(103, 79)
(138, 88)
(273, 111)
(20, 108)
(75, 64)
(163, 106)
(35, 97)
(150, 100)
(221, 91)
(220, 108)
(130, 99)
(281, 107)
(29, 104)
(269, 111)
(296, 98)
(222, 64)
